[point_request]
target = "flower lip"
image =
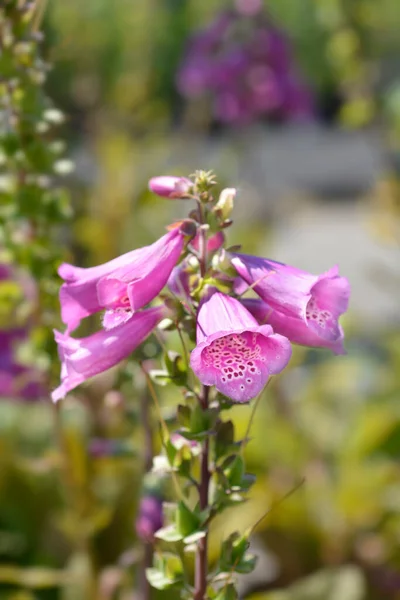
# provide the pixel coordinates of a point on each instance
(233, 352)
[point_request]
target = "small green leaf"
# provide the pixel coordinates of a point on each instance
(199, 421)
(235, 471)
(227, 593)
(183, 415)
(169, 534)
(224, 438)
(159, 580)
(246, 564)
(187, 521)
(175, 367)
(194, 537)
(160, 377)
(171, 452)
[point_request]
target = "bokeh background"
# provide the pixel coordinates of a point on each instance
(296, 103)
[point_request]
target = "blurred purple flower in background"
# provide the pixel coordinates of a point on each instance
(18, 296)
(150, 517)
(245, 66)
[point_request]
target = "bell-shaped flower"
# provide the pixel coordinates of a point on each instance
(318, 300)
(122, 285)
(233, 351)
(296, 330)
(85, 357)
(171, 187)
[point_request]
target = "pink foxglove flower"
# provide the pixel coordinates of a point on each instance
(171, 187)
(296, 330)
(122, 285)
(233, 351)
(85, 357)
(318, 300)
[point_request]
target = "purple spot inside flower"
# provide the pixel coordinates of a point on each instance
(242, 347)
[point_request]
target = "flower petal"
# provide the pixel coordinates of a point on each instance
(133, 279)
(296, 330)
(85, 357)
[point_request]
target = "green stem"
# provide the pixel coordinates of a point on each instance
(201, 568)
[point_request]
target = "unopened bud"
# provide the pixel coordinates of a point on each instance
(224, 206)
(170, 187)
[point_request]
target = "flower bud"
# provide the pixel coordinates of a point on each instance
(170, 187)
(224, 206)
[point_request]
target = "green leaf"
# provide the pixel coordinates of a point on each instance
(246, 564)
(199, 421)
(187, 521)
(183, 415)
(166, 573)
(235, 471)
(227, 593)
(234, 555)
(171, 451)
(176, 367)
(344, 583)
(160, 377)
(169, 534)
(224, 438)
(159, 580)
(194, 537)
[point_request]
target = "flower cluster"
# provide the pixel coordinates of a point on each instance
(245, 64)
(237, 343)
(120, 288)
(240, 342)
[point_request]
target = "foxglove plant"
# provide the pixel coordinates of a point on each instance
(243, 65)
(188, 282)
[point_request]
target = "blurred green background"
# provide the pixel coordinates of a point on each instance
(311, 193)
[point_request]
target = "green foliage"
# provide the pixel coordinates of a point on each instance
(345, 583)
(32, 204)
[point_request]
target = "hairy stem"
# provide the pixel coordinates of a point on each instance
(201, 568)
